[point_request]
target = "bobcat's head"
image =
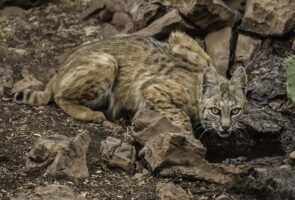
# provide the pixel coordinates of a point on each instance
(222, 101)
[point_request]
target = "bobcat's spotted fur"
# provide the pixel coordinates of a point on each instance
(176, 78)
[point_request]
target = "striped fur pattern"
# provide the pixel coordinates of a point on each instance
(134, 71)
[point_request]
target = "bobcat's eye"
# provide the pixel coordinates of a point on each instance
(235, 111)
(215, 111)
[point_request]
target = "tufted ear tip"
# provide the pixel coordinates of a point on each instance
(239, 78)
(210, 79)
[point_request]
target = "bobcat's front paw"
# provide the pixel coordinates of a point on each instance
(98, 117)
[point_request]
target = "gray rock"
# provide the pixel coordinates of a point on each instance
(12, 11)
(205, 14)
(49, 192)
(114, 128)
(171, 149)
(246, 47)
(262, 120)
(118, 154)
(275, 184)
(149, 124)
(164, 25)
(213, 173)
(266, 78)
(144, 12)
(121, 20)
(91, 30)
(236, 4)
(109, 30)
(218, 47)
(269, 17)
(170, 191)
(62, 156)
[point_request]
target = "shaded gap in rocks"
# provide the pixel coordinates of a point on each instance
(233, 46)
(239, 145)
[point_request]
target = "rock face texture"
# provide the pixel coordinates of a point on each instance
(269, 184)
(62, 156)
(205, 14)
(165, 24)
(269, 17)
(118, 154)
(246, 47)
(218, 47)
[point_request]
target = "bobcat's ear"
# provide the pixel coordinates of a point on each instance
(210, 80)
(239, 79)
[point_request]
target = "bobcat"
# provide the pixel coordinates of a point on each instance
(176, 78)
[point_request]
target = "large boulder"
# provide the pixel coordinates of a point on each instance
(218, 47)
(246, 47)
(269, 17)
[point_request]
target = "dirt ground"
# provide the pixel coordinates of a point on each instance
(35, 39)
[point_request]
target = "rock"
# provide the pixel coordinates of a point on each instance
(266, 77)
(49, 192)
(118, 154)
(11, 11)
(109, 30)
(91, 30)
(246, 47)
(62, 156)
(94, 7)
(275, 184)
(6, 79)
(145, 12)
(145, 117)
(121, 20)
(214, 173)
(170, 191)
(292, 155)
(236, 4)
(283, 106)
(262, 120)
(28, 81)
(206, 14)
(164, 25)
(218, 47)
(171, 149)
(161, 126)
(269, 17)
(114, 128)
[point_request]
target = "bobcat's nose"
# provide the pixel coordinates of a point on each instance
(225, 128)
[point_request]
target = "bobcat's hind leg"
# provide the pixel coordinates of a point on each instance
(87, 84)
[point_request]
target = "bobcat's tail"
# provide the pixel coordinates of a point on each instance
(33, 97)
